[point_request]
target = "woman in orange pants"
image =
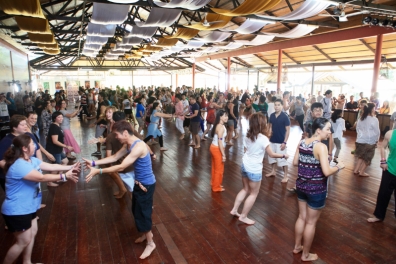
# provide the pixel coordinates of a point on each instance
(219, 134)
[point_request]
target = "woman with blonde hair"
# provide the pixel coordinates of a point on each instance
(69, 138)
(385, 109)
(256, 143)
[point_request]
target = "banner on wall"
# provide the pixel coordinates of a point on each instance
(97, 84)
(72, 90)
(87, 84)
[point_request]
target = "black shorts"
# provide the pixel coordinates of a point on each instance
(142, 207)
(128, 111)
(19, 223)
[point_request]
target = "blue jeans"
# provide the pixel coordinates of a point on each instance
(254, 177)
(314, 201)
(59, 157)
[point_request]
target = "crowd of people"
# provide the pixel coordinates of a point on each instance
(128, 121)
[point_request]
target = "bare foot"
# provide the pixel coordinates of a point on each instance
(246, 220)
(147, 251)
(355, 172)
(373, 220)
(292, 189)
(120, 194)
(181, 137)
(230, 144)
(284, 180)
(191, 144)
(116, 193)
(42, 205)
(140, 239)
(235, 213)
(271, 174)
(309, 257)
(204, 139)
(197, 147)
(364, 175)
(163, 149)
(297, 250)
(236, 136)
(51, 184)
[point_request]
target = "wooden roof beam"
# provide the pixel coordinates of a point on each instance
(269, 64)
(323, 53)
(334, 36)
(367, 45)
(287, 55)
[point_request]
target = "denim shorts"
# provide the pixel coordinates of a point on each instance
(314, 201)
(59, 157)
(254, 177)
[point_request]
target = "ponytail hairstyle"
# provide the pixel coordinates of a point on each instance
(319, 123)
(15, 151)
(219, 114)
(335, 115)
(257, 125)
(367, 110)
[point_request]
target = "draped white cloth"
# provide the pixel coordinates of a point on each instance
(232, 45)
(109, 13)
(185, 4)
(89, 53)
(93, 46)
(131, 41)
(123, 1)
(177, 48)
(249, 26)
(101, 30)
(96, 40)
(142, 32)
(258, 40)
(211, 50)
(299, 31)
(111, 57)
(308, 9)
(215, 36)
(194, 44)
(160, 17)
(116, 52)
(119, 46)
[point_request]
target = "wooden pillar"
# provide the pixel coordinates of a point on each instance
(279, 82)
(177, 80)
(258, 79)
(313, 80)
(228, 73)
(248, 80)
(193, 76)
(377, 63)
(132, 79)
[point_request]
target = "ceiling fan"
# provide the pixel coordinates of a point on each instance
(205, 22)
(340, 13)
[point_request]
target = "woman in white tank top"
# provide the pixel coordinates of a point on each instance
(219, 134)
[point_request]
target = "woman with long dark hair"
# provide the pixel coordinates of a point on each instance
(23, 193)
(311, 185)
(152, 130)
(368, 134)
(69, 138)
(218, 134)
(256, 144)
(338, 124)
(232, 119)
(211, 114)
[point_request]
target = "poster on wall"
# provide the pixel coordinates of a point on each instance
(5, 65)
(97, 84)
(87, 84)
(58, 86)
(20, 66)
(46, 86)
(72, 91)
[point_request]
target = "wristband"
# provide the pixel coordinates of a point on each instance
(93, 163)
(152, 154)
(100, 171)
(284, 143)
(338, 169)
(283, 156)
(60, 176)
(383, 159)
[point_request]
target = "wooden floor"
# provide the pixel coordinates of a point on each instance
(83, 223)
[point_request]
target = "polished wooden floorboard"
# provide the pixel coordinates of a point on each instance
(84, 223)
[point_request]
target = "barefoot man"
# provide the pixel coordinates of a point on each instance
(279, 127)
(137, 153)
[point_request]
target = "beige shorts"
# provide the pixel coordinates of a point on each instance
(276, 149)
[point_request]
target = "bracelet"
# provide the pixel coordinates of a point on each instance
(338, 169)
(383, 162)
(284, 143)
(100, 171)
(93, 163)
(152, 154)
(60, 176)
(383, 159)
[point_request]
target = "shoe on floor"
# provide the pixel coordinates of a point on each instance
(97, 153)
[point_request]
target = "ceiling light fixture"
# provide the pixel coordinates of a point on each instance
(385, 23)
(374, 22)
(367, 20)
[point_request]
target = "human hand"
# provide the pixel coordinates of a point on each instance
(102, 126)
(92, 125)
(224, 158)
(70, 148)
(286, 156)
(76, 167)
(51, 157)
(91, 174)
(93, 141)
(70, 175)
(341, 165)
(384, 167)
(283, 146)
(154, 157)
(87, 164)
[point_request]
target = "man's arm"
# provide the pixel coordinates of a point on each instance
(113, 158)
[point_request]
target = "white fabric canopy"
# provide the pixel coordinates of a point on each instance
(131, 41)
(160, 17)
(194, 44)
(215, 36)
(299, 31)
(96, 40)
(101, 30)
(144, 32)
(89, 53)
(123, 1)
(119, 46)
(111, 57)
(177, 48)
(232, 45)
(109, 13)
(93, 46)
(249, 26)
(258, 40)
(309, 8)
(211, 50)
(185, 4)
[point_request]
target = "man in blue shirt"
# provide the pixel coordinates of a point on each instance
(279, 125)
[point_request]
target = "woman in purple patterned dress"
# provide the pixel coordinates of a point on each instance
(311, 185)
